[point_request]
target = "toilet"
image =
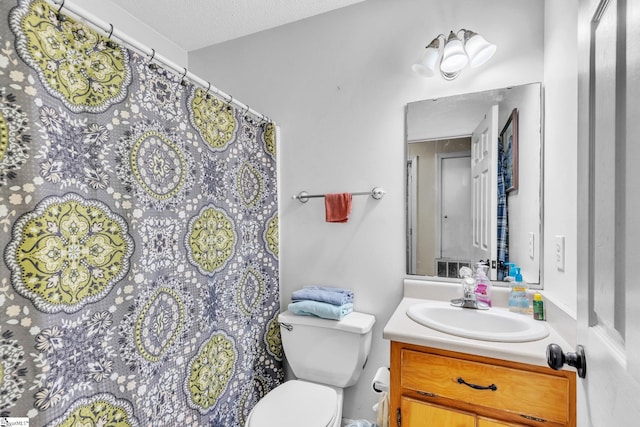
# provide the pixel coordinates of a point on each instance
(326, 356)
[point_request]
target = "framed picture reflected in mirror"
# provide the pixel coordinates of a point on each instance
(509, 152)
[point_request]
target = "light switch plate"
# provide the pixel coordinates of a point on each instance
(559, 252)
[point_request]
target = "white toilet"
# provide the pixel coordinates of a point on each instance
(326, 356)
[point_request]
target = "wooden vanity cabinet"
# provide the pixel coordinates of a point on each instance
(433, 387)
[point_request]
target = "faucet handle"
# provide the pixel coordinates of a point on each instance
(465, 271)
(469, 286)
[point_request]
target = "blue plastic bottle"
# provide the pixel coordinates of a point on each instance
(518, 297)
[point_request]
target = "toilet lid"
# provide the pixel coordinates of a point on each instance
(296, 403)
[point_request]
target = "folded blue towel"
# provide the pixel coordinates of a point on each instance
(321, 309)
(335, 296)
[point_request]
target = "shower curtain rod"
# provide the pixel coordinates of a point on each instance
(110, 31)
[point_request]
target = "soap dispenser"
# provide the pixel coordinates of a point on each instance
(518, 297)
(511, 269)
(483, 288)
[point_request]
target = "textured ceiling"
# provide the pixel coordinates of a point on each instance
(193, 24)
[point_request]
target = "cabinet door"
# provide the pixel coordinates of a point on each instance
(487, 422)
(420, 414)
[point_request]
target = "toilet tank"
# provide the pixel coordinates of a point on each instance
(331, 352)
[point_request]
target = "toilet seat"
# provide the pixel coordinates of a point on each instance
(296, 403)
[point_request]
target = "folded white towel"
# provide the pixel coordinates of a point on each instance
(335, 296)
(321, 309)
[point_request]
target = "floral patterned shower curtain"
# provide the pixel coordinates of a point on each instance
(139, 231)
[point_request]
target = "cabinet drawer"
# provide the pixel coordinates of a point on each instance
(521, 392)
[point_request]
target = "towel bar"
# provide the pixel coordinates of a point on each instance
(303, 197)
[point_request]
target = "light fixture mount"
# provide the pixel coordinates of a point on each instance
(450, 55)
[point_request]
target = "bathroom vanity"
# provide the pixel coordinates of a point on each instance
(441, 379)
(461, 389)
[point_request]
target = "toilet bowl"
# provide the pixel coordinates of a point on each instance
(326, 356)
(298, 403)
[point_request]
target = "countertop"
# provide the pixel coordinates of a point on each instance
(403, 329)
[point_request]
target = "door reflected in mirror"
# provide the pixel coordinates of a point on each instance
(459, 210)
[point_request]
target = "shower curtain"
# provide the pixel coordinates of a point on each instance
(139, 233)
(503, 216)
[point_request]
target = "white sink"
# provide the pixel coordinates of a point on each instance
(494, 324)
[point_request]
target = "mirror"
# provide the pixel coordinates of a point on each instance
(461, 150)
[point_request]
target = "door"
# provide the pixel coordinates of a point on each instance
(609, 211)
(455, 205)
(484, 189)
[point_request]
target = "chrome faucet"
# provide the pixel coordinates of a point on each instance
(469, 298)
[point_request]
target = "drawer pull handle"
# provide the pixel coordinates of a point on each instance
(491, 387)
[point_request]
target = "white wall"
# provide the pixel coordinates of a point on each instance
(560, 156)
(524, 204)
(133, 27)
(337, 85)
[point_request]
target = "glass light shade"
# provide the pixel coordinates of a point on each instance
(478, 49)
(454, 58)
(450, 76)
(427, 63)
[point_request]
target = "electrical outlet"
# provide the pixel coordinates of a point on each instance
(532, 253)
(559, 252)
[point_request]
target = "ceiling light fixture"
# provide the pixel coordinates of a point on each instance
(450, 55)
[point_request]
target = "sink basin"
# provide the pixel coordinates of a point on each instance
(487, 325)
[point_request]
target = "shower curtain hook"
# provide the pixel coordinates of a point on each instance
(110, 43)
(58, 15)
(152, 65)
(182, 82)
(246, 111)
(230, 103)
(206, 94)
